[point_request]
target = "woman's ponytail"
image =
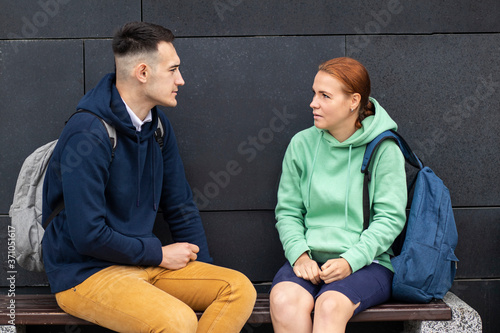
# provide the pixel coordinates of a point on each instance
(368, 110)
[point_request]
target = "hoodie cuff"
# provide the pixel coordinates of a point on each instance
(356, 259)
(153, 255)
(297, 251)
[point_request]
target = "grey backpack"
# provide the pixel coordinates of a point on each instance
(26, 209)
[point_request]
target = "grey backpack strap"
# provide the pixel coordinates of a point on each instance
(112, 135)
(109, 128)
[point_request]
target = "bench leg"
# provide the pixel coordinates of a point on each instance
(464, 319)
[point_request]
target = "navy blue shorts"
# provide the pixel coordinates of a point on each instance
(368, 286)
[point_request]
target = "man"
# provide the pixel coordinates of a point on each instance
(103, 262)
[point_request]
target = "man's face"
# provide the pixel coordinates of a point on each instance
(165, 79)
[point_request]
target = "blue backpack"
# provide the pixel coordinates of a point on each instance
(425, 264)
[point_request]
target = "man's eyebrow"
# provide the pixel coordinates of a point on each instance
(175, 66)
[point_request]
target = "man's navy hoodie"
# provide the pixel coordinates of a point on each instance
(111, 202)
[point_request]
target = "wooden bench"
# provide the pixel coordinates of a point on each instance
(42, 309)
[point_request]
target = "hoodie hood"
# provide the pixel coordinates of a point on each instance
(371, 127)
(105, 101)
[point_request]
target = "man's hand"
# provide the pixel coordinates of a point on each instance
(178, 255)
(334, 270)
(307, 269)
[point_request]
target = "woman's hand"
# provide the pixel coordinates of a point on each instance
(307, 269)
(334, 270)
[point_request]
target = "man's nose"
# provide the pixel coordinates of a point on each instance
(179, 81)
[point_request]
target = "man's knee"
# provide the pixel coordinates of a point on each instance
(183, 320)
(241, 287)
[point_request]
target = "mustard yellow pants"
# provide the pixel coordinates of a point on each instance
(153, 299)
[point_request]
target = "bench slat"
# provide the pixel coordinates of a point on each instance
(43, 310)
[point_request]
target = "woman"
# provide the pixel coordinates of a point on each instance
(333, 265)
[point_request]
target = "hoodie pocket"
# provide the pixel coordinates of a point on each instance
(330, 241)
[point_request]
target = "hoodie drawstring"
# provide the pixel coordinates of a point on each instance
(153, 171)
(346, 204)
(138, 170)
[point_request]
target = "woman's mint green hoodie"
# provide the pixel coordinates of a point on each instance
(320, 197)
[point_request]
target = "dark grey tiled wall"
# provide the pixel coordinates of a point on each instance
(248, 67)
(285, 17)
(33, 19)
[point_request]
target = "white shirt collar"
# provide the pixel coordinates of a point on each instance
(135, 120)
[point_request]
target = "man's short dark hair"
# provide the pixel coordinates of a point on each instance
(139, 37)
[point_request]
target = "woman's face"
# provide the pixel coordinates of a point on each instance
(332, 107)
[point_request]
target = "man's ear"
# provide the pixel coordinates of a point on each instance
(141, 72)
